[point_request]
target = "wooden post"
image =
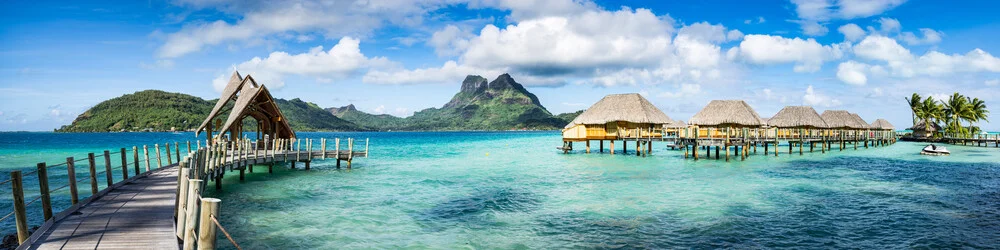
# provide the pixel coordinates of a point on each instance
(181, 201)
(322, 143)
(612, 146)
(298, 151)
(191, 219)
(206, 229)
(177, 151)
(20, 213)
(135, 154)
(124, 165)
(727, 152)
(189, 146)
(145, 150)
(170, 160)
(309, 151)
(307, 164)
(350, 151)
(588, 146)
(366, 147)
(93, 174)
(43, 189)
(107, 168)
(601, 143)
(336, 142)
(71, 173)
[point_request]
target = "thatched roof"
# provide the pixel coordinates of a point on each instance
(882, 124)
(797, 117)
(921, 127)
(859, 123)
(838, 119)
(259, 104)
(621, 107)
(676, 124)
(727, 112)
(235, 85)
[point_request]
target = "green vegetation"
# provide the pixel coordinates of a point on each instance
(154, 110)
(144, 110)
(950, 112)
(568, 117)
(502, 104)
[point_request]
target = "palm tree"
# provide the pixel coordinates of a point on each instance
(914, 102)
(956, 109)
(929, 111)
(977, 111)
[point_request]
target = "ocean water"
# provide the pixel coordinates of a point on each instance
(514, 190)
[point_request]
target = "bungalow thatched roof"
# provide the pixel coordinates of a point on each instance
(797, 117)
(838, 119)
(676, 124)
(727, 112)
(859, 123)
(235, 85)
(934, 127)
(882, 124)
(621, 107)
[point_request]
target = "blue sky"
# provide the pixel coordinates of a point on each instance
(396, 57)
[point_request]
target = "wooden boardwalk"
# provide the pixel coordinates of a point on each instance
(137, 215)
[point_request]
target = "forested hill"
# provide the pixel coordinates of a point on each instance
(155, 110)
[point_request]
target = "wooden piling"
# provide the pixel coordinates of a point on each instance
(588, 146)
(135, 154)
(207, 229)
(107, 168)
(170, 160)
(322, 143)
(181, 201)
(191, 219)
(71, 174)
(612, 146)
(177, 151)
(20, 213)
(336, 142)
(601, 143)
(93, 174)
(43, 190)
(145, 150)
(124, 165)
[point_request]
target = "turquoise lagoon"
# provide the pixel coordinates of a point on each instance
(514, 190)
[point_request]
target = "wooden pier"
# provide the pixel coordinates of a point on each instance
(977, 140)
(157, 191)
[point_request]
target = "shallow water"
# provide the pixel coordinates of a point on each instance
(514, 190)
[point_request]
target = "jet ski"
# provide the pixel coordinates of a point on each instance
(935, 150)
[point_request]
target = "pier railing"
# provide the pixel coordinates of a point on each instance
(44, 173)
(197, 217)
(975, 139)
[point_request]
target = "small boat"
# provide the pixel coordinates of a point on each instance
(935, 150)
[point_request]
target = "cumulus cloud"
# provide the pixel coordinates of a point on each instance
(450, 72)
(902, 63)
(852, 72)
(814, 98)
(260, 19)
(878, 47)
(342, 60)
(450, 41)
(929, 37)
(812, 13)
(808, 55)
(889, 25)
(852, 32)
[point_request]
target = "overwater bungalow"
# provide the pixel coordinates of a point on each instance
(624, 117)
(884, 131)
(675, 129)
(863, 130)
(798, 125)
(843, 126)
(724, 123)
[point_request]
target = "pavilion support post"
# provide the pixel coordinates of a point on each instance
(588, 146)
(624, 147)
(727, 152)
(612, 146)
(601, 144)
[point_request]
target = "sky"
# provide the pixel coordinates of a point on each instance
(60, 58)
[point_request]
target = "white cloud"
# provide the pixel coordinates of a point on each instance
(450, 41)
(852, 72)
(813, 98)
(257, 20)
(812, 13)
(878, 47)
(342, 60)
(706, 32)
(889, 25)
(379, 110)
(450, 72)
(852, 32)
(993, 82)
(808, 55)
(929, 37)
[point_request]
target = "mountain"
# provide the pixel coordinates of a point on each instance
(502, 104)
(568, 117)
(154, 110)
(368, 121)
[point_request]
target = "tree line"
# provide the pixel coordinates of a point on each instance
(952, 112)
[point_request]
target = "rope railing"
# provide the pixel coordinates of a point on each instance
(226, 233)
(41, 173)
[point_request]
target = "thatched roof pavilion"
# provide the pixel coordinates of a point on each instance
(631, 108)
(249, 100)
(727, 113)
(677, 124)
(882, 124)
(797, 117)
